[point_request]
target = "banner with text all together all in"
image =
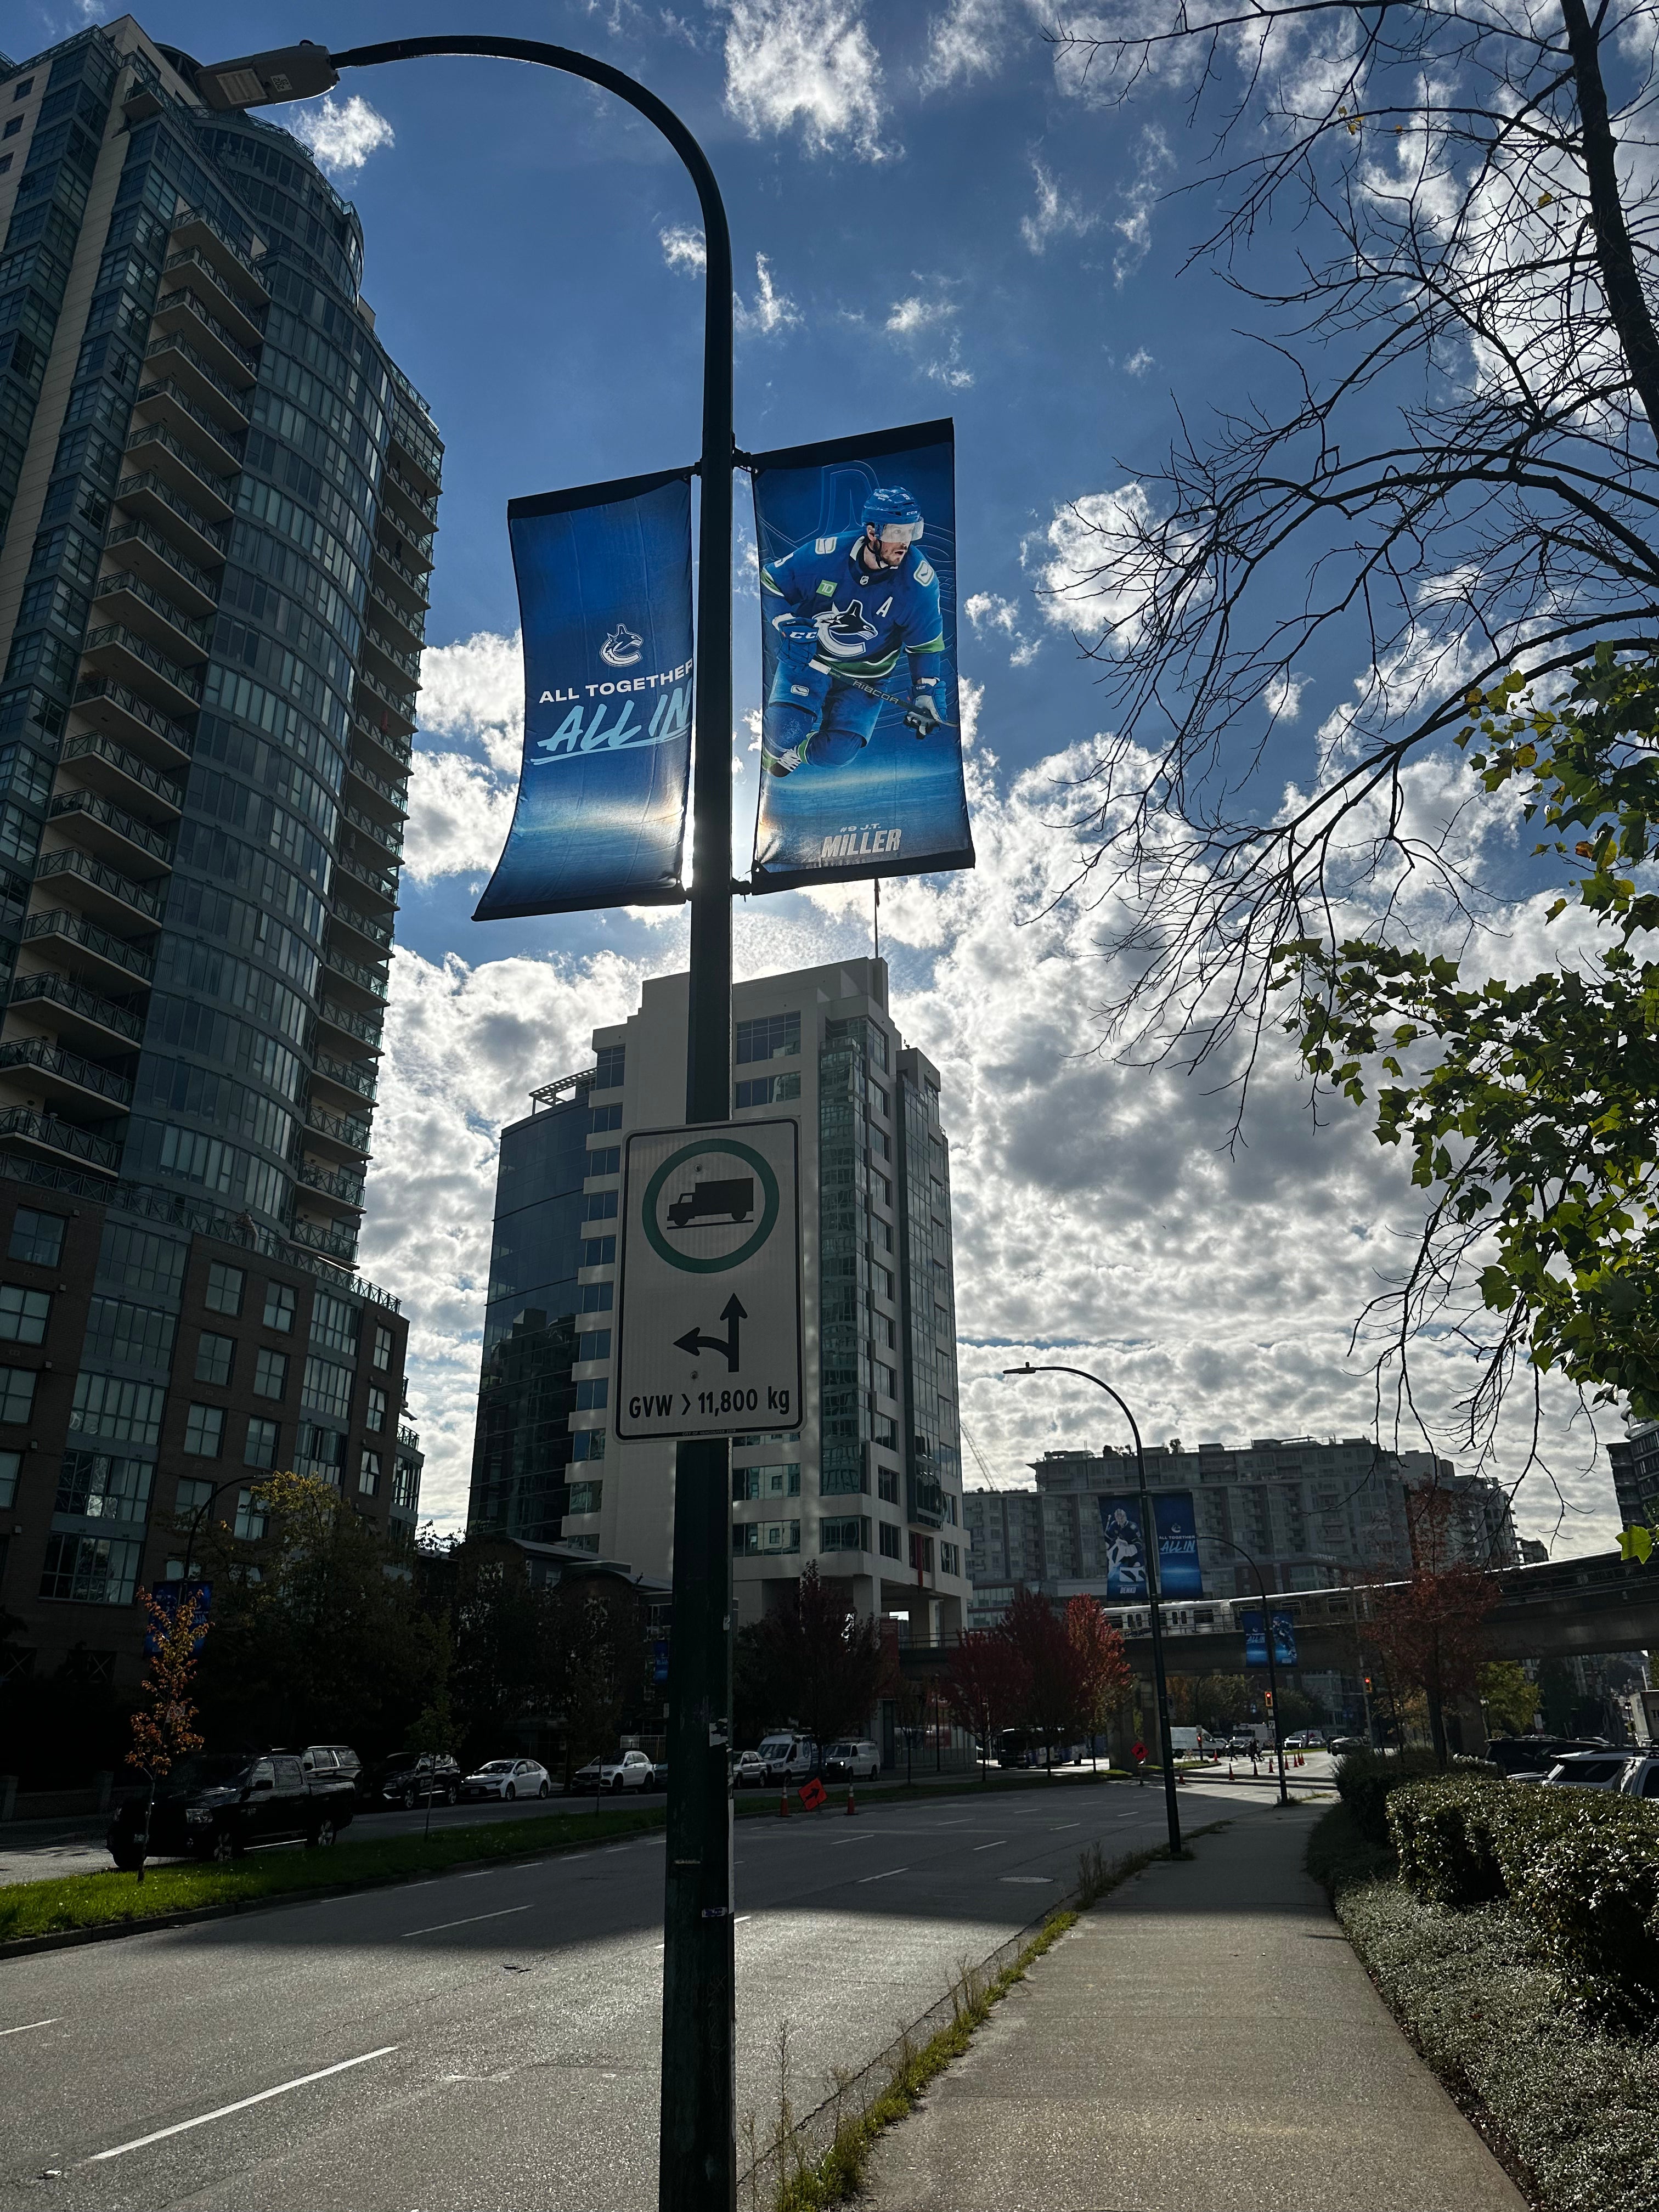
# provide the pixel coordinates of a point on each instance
(604, 594)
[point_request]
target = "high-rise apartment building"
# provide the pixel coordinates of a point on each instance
(869, 1486)
(1311, 1512)
(1635, 1457)
(217, 500)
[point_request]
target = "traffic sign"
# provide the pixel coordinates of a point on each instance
(708, 1303)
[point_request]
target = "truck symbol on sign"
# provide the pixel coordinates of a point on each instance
(734, 1200)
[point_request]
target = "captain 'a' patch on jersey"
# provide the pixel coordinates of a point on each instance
(858, 616)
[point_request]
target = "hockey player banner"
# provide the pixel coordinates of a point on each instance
(604, 594)
(1124, 1547)
(860, 741)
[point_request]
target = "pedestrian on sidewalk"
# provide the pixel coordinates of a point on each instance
(1138, 1753)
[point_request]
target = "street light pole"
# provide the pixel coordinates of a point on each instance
(1149, 1540)
(1228, 1544)
(697, 2150)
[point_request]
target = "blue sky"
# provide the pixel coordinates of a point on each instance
(932, 214)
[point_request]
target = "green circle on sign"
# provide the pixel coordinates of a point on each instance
(719, 1265)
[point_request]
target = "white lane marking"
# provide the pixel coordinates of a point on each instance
(223, 2112)
(438, 1926)
(996, 1847)
(1029, 1877)
(888, 1876)
(741, 1918)
(1059, 1825)
(29, 2024)
(868, 1837)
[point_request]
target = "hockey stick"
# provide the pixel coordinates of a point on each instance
(875, 691)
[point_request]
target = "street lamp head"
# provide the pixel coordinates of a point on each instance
(263, 80)
(1027, 1369)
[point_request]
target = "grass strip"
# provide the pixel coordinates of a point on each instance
(101, 1900)
(1568, 2102)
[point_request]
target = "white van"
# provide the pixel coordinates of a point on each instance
(789, 1757)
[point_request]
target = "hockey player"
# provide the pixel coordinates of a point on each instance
(842, 609)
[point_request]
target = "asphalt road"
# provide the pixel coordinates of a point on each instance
(489, 2040)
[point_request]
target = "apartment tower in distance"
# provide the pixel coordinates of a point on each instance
(217, 497)
(869, 1486)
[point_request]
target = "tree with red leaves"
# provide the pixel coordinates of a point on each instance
(164, 1720)
(1431, 1630)
(1049, 1662)
(1103, 1676)
(986, 1685)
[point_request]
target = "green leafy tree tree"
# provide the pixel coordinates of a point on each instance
(1221, 1703)
(164, 1726)
(829, 1668)
(1509, 1697)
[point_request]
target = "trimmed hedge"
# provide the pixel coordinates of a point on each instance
(1366, 1779)
(1581, 1867)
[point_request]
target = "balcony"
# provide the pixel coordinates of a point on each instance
(386, 885)
(408, 631)
(369, 980)
(351, 1136)
(111, 959)
(149, 613)
(413, 584)
(108, 832)
(121, 713)
(354, 1075)
(360, 1026)
(92, 1020)
(393, 796)
(121, 653)
(168, 403)
(177, 361)
(153, 446)
(144, 550)
(407, 549)
(188, 315)
(406, 501)
(193, 227)
(64, 1075)
(218, 294)
(152, 498)
(314, 1238)
(399, 748)
(401, 663)
(60, 1141)
(111, 769)
(389, 840)
(376, 932)
(330, 1182)
(420, 449)
(400, 704)
(103, 893)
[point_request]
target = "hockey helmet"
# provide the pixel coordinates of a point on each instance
(891, 512)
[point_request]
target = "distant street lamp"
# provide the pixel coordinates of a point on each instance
(1149, 1540)
(1273, 1673)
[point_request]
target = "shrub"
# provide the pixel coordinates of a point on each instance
(1443, 1832)
(1582, 1866)
(1365, 1779)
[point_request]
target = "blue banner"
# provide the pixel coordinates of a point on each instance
(604, 594)
(861, 732)
(1124, 1547)
(1256, 1641)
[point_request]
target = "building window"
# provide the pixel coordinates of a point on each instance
(280, 1306)
(886, 1381)
(406, 1486)
(250, 1522)
(270, 1373)
(5, 163)
(881, 1282)
(754, 1539)
(12, 127)
(204, 1429)
(843, 1534)
(23, 91)
(949, 1558)
(889, 1540)
(333, 1323)
(887, 1483)
(595, 1297)
(604, 1159)
(100, 1486)
(768, 1089)
(766, 1481)
(17, 1393)
(595, 1344)
(383, 1350)
(259, 1446)
(772, 1036)
(921, 1554)
(588, 1443)
(607, 1075)
(598, 1251)
(879, 1100)
(11, 1466)
(327, 1387)
(214, 1355)
(887, 1431)
(23, 1314)
(89, 1570)
(600, 1206)
(224, 1289)
(374, 1420)
(602, 1118)
(368, 1473)
(585, 1497)
(320, 1452)
(36, 1237)
(192, 1495)
(594, 1396)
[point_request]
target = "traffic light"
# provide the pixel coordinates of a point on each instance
(1268, 1695)
(1368, 1686)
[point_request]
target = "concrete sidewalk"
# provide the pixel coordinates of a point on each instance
(1204, 2040)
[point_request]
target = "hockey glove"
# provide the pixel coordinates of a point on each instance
(922, 713)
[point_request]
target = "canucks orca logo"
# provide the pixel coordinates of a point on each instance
(623, 648)
(843, 632)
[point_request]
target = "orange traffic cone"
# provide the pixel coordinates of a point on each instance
(851, 1807)
(783, 1805)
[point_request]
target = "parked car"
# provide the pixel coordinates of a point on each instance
(853, 1758)
(1339, 1746)
(750, 1771)
(789, 1757)
(409, 1778)
(1640, 1776)
(508, 1777)
(1236, 1747)
(217, 1805)
(1588, 1770)
(1534, 1755)
(1305, 1740)
(323, 1762)
(1013, 1748)
(624, 1770)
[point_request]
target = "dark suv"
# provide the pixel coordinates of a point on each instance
(409, 1778)
(217, 1805)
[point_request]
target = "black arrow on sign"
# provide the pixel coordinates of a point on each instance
(694, 1342)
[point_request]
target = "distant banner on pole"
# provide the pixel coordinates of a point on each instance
(1255, 1640)
(860, 732)
(604, 594)
(1125, 1546)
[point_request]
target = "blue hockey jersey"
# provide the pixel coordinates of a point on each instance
(863, 622)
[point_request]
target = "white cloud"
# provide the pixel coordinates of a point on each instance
(1134, 225)
(906, 316)
(910, 320)
(459, 812)
(1138, 363)
(683, 248)
(1056, 215)
(964, 42)
(772, 310)
(475, 689)
(791, 62)
(988, 611)
(1283, 697)
(342, 133)
(1069, 554)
